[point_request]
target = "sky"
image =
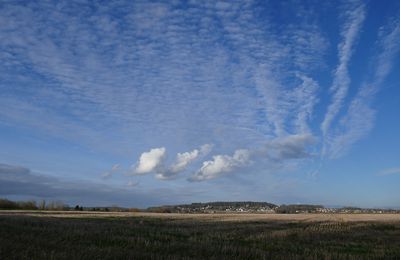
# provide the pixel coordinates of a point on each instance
(142, 103)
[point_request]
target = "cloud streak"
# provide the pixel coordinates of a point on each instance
(108, 174)
(359, 118)
(354, 17)
(389, 171)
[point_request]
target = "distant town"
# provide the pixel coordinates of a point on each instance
(262, 207)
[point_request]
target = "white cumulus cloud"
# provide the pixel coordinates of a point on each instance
(222, 164)
(150, 161)
(274, 152)
(182, 161)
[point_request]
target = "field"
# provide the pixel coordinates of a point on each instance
(86, 235)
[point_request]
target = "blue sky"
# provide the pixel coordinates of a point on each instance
(141, 103)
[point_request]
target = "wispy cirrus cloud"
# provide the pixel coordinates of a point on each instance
(359, 118)
(353, 17)
(123, 76)
(148, 55)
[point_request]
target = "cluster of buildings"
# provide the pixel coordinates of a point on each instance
(263, 207)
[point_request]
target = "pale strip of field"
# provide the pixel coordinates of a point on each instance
(212, 217)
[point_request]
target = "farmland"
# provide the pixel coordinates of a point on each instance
(87, 235)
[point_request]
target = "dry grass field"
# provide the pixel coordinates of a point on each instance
(307, 217)
(114, 235)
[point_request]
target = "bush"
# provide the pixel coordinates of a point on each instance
(8, 204)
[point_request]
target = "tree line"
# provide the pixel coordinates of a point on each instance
(33, 205)
(6, 204)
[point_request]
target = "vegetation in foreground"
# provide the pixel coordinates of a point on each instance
(24, 237)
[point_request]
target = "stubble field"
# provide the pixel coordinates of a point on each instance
(87, 235)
